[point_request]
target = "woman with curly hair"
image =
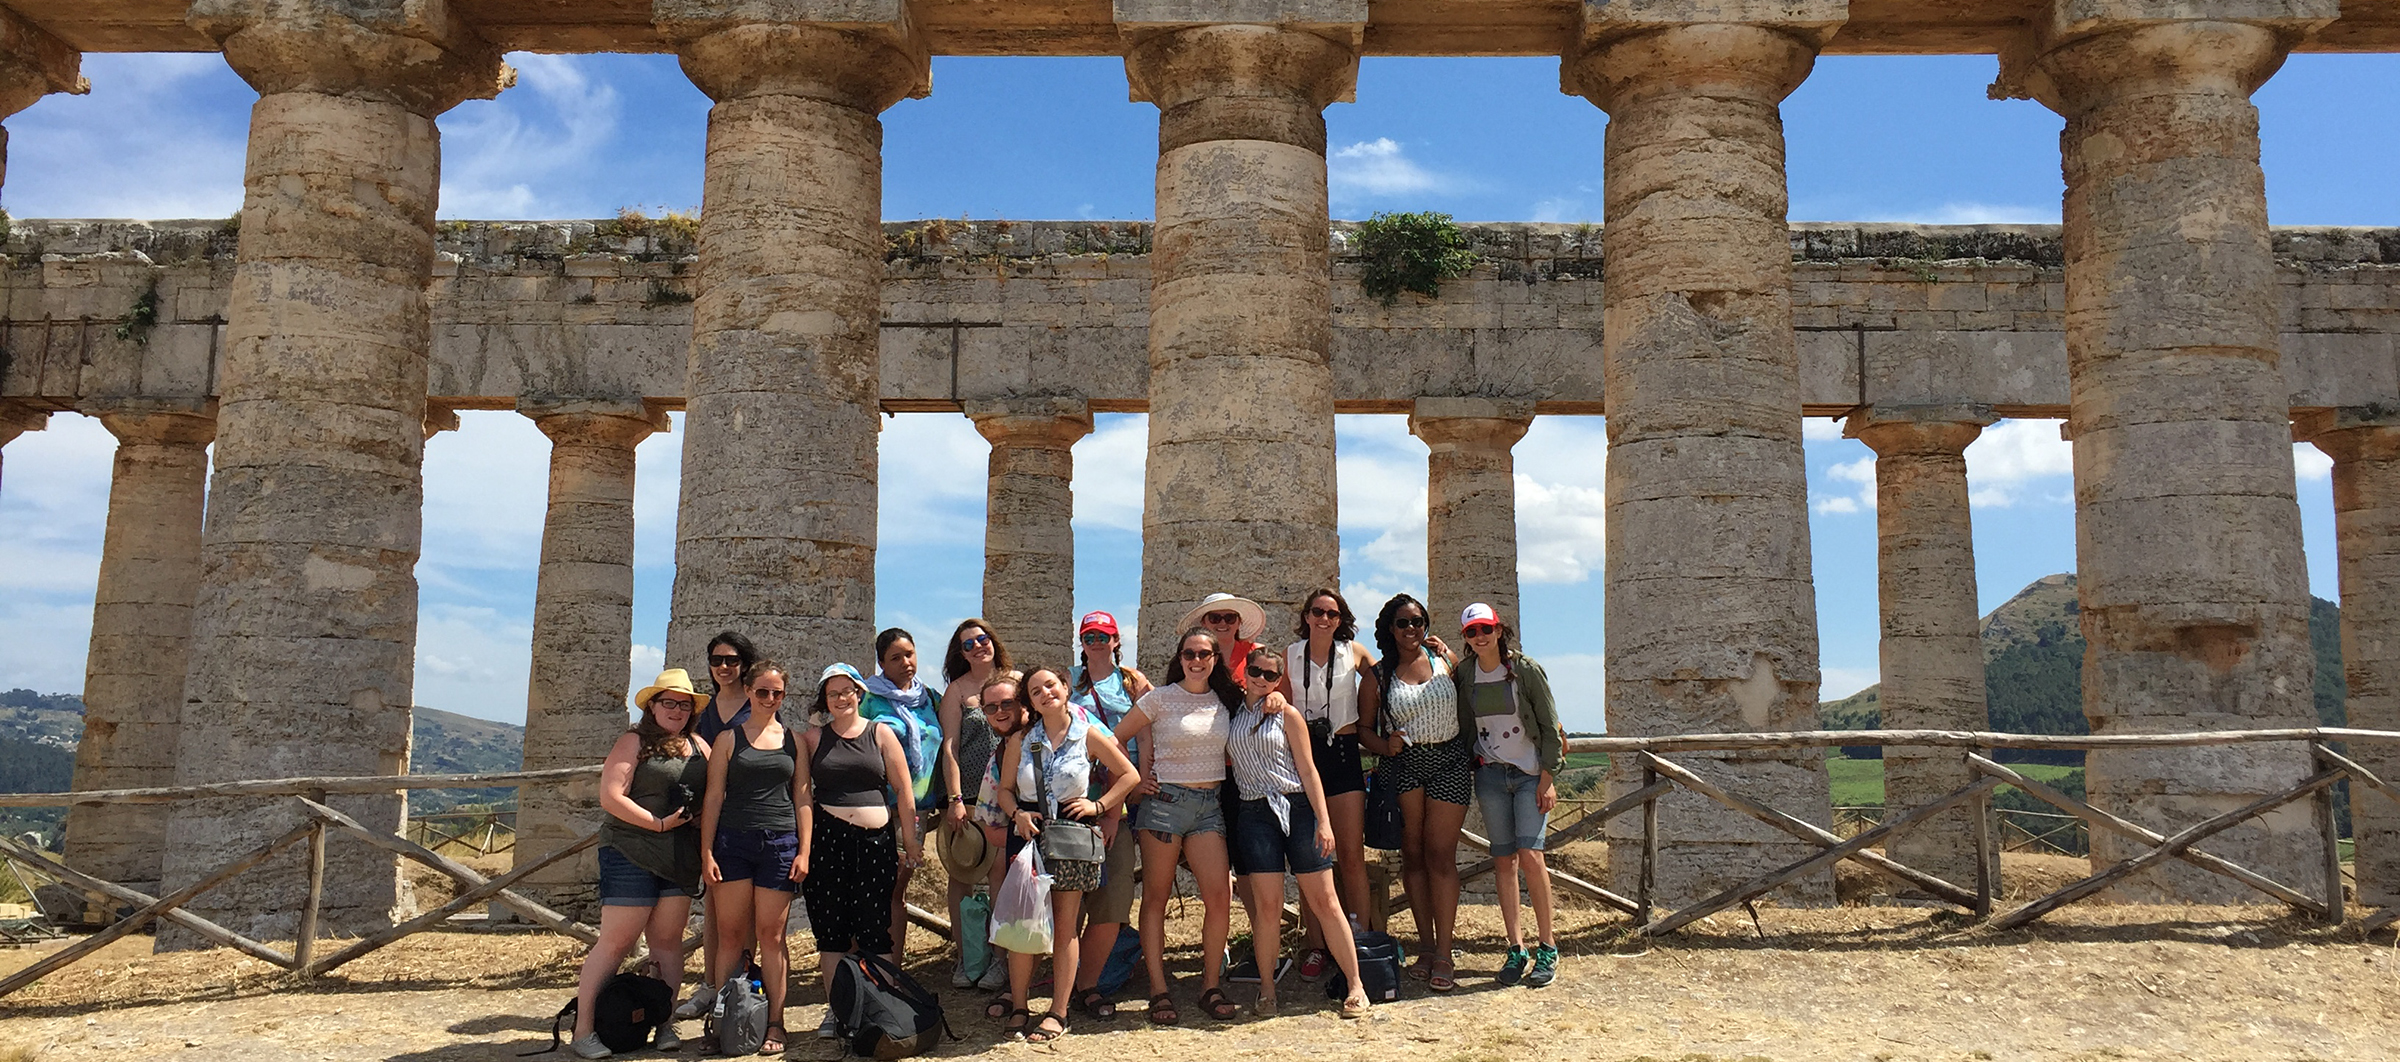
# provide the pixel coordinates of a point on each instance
(1423, 748)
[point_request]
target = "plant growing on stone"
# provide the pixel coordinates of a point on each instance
(1410, 252)
(141, 318)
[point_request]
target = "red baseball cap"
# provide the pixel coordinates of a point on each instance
(1096, 621)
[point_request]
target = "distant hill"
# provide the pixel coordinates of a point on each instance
(2033, 669)
(39, 732)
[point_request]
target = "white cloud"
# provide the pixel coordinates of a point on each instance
(1562, 501)
(1579, 681)
(657, 490)
(160, 136)
(1859, 478)
(53, 514)
(934, 480)
(1378, 168)
(487, 491)
(504, 158)
(1109, 470)
(2017, 459)
(1820, 429)
(2310, 464)
(642, 665)
(474, 660)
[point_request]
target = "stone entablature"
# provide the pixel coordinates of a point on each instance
(527, 312)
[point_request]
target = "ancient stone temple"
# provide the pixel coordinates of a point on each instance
(2182, 342)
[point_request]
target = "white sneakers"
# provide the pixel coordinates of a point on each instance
(589, 1046)
(667, 1040)
(995, 975)
(702, 999)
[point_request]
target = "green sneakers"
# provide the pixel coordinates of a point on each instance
(1513, 970)
(1545, 966)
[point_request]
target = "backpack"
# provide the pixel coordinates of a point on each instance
(738, 1022)
(882, 1012)
(1379, 959)
(628, 1010)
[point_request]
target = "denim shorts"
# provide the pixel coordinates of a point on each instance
(1180, 811)
(761, 857)
(622, 884)
(1511, 808)
(1261, 847)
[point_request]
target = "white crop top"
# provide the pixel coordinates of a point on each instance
(1189, 734)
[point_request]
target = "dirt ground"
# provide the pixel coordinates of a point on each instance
(1862, 982)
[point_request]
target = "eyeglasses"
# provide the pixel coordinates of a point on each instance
(1096, 638)
(766, 695)
(1478, 630)
(975, 641)
(1008, 702)
(1197, 654)
(677, 703)
(1409, 623)
(725, 661)
(1325, 613)
(1219, 619)
(1262, 673)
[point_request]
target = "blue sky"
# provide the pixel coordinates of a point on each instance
(1871, 139)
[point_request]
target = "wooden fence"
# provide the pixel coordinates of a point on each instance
(1659, 776)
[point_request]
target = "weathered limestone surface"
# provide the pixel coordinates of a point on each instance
(1471, 503)
(141, 635)
(2365, 447)
(775, 535)
(304, 628)
(1932, 649)
(1711, 610)
(1028, 543)
(582, 631)
(1239, 489)
(2193, 593)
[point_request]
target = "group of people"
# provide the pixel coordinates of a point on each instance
(1247, 763)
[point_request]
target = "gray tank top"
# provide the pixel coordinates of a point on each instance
(758, 785)
(847, 772)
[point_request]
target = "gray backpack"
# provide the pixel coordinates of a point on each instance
(738, 1023)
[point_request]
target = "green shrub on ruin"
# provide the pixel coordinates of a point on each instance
(1410, 252)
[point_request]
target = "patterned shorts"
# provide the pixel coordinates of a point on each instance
(1444, 771)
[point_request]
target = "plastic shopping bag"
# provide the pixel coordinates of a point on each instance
(1021, 913)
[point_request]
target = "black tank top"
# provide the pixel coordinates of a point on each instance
(758, 786)
(847, 772)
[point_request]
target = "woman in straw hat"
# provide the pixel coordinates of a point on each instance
(649, 846)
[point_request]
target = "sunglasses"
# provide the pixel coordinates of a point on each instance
(975, 641)
(1218, 619)
(766, 695)
(1010, 702)
(1478, 630)
(1263, 673)
(725, 661)
(1409, 623)
(677, 703)
(1324, 613)
(1096, 638)
(1197, 654)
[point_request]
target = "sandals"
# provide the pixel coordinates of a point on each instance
(1214, 1002)
(998, 1006)
(1015, 1026)
(1442, 978)
(774, 1042)
(1265, 1007)
(1095, 1003)
(1039, 1034)
(1162, 1010)
(1355, 1007)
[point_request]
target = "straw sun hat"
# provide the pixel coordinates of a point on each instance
(1254, 618)
(672, 680)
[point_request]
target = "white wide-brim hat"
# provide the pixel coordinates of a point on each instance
(1254, 618)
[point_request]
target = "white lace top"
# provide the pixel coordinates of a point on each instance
(1189, 731)
(1428, 711)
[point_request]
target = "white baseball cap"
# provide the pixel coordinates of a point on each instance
(1478, 613)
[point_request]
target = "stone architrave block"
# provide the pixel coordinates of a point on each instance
(1161, 13)
(2074, 18)
(1817, 19)
(861, 13)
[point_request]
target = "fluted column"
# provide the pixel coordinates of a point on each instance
(1028, 540)
(141, 636)
(2193, 594)
(776, 531)
(2365, 447)
(582, 631)
(305, 626)
(1471, 502)
(1932, 645)
(1711, 613)
(1239, 494)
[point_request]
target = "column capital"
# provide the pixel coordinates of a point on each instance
(172, 422)
(2351, 433)
(1053, 423)
(412, 53)
(439, 419)
(856, 53)
(1471, 423)
(2079, 52)
(1714, 57)
(34, 64)
(1174, 65)
(1894, 430)
(596, 423)
(17, 419)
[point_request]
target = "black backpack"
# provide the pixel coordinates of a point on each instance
(628, 1010)
(881, 1011)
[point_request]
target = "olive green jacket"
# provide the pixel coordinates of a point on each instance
(1534, 703)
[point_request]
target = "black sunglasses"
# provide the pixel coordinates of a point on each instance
(727, 660)
(1407, 623)
(1198, 654)
(1262, 673)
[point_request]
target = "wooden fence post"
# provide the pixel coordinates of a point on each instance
(304, 942)
(2335, 906)
(1648, 883)
(1987, 860)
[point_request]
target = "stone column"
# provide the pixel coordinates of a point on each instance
(2365, 447)
(1471, 503)
(2193, 594)
(1028, 540)
(141, 635)
(33, 64)
(1239, 494)
(776, 532)
(582, 632)
(305, 626)
(16, 420)
(1932, 641)
(1711, 613)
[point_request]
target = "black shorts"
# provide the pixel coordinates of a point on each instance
(1337, 764)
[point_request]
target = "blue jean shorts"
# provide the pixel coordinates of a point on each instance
(1260, 845)
(761, 857)
(623, 884)
(1180, 811)
(1511, 808)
